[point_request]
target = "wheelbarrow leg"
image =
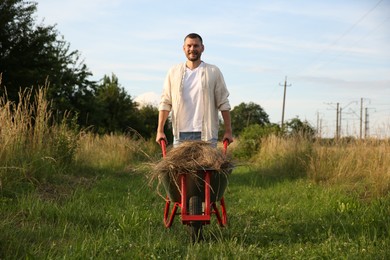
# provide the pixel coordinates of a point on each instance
(168, 218)
(222, 219)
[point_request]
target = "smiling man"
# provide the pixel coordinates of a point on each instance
(194, 92)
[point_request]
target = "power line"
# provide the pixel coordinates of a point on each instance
(348, 31)
(356, 23)
(354, 43)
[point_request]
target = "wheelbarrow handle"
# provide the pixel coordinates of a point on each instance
(163, 144)
(225, 146)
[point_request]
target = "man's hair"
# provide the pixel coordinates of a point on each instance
(194, 36)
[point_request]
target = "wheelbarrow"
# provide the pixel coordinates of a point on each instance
(196, 196)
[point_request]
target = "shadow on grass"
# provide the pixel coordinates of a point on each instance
(265, 177)
(60, 184)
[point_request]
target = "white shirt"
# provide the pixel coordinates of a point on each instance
(215, 98)
(191, 111)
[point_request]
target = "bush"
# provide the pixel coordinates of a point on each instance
(250, 140)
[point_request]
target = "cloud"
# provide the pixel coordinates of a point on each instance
(148, 98)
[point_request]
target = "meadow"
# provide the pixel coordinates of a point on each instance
(67, 193)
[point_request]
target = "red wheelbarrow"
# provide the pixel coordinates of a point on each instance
(197, 196)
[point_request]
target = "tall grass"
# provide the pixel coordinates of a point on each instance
(32, 146)
(287, 157)
(362, 166)
(35, 147)
(23, 125)
(115, 151)
(359, 165)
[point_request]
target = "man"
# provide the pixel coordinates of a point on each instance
(194, 92)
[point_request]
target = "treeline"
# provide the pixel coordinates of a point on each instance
(33, 55)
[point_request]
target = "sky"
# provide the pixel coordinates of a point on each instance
(331, 52)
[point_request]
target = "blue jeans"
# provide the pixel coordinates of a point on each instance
(185, 136)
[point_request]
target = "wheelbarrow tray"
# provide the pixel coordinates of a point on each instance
(195, 184)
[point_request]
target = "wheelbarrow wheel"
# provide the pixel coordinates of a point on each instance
(195, 208)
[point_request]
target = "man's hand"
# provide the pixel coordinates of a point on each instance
(162, 117)
(161, 136)
(228, 127)
(228, 136)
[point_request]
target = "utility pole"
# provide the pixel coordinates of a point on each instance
(340, 115)
(337, 133)
(361, 118)
(366, 125)
(337, 121)
(284, 100)
(318, 125)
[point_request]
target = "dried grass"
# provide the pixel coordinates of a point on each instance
(188, 158)
(192, 156)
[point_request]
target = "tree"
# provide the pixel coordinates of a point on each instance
(149, 123)
(246, 114)
(149, 119)
(115, 109)
(302, 128)
(33, 55)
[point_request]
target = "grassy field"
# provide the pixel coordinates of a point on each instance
(118, 216)
(65, 193)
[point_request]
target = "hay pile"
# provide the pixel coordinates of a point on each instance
(188, 158)
(191, 156)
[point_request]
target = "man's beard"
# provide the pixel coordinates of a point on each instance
(193, 56)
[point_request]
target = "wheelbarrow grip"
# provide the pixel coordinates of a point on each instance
(225, 146)
(163, 144)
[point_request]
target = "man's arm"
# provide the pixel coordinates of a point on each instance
(228, 126)
(162, 118)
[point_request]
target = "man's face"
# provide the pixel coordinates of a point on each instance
(193, 49)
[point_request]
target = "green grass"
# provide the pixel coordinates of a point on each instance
(118, 216)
